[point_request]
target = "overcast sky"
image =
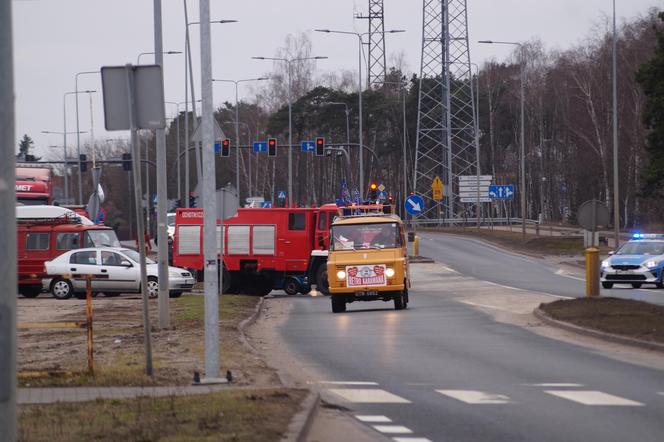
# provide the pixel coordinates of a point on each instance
(55, 39)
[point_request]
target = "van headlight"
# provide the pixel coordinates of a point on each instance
(341, 275)
(389, 272)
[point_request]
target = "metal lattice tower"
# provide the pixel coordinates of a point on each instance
(376, 63)
(446, 106)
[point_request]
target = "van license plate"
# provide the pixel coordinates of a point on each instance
(366, 294)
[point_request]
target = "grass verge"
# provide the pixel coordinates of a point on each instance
(625, 317)
(256, 415)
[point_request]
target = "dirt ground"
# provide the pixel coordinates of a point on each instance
(59, 357)
(634, 319)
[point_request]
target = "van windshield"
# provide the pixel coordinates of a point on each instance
(365, 236)
(101, 238)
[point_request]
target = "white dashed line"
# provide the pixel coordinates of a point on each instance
(561, 272)
(554, 384)
(589, 397)
(476, 397)
(368, 396)
(373, 418)
(393, 429)
(527, 291)
(475, 304)
(358, 383)
(410, 439)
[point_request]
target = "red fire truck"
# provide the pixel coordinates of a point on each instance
(34, 184)
(47, 232)
(263, 249)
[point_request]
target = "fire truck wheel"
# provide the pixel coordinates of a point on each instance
(291, 286)
(321, 280)
(400, 302)
(153, 287)
(338, 304)
(61, 289)
(30, 292)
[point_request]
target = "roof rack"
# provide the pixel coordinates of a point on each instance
(62, 219)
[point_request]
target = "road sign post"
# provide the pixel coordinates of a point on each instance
(437, 189)
(592, 214)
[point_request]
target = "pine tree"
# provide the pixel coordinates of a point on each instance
(24, 147)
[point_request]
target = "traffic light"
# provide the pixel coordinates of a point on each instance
(83, 162)
(126, 161)
(373, 192)
(192, 200)
(271, 147)
(320, 146)
(226, 148)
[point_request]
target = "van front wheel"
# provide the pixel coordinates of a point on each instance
(338, 304)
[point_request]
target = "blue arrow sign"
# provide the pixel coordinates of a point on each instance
(217, 147)
(281, 195)
(308, 146)
(414, 204)
(382, 195)
(260, 146)
(266, 204)
(501, 192)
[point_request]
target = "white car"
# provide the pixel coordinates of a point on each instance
(170, 225)
(116, 270)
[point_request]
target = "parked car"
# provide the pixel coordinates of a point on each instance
(115, 269)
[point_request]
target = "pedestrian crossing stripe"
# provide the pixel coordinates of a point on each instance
(393, 429)
(373, 418)
(368, 396)
(476, 397)
(590, 397)
(410, 439)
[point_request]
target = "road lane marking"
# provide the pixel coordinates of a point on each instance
(527, 291)
(393, 429)
(368, 396)
(564, 274)
(475, 304)
(590, 397)
(346, 383)
(373, 418)
(556, 384)
(410, 439)
(476, 397)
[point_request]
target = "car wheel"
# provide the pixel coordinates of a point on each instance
(291, 286)
(174, 294)
(322, 284)
(61, 289)
(153, 287)
(636, 285)
(607, 285)
(399, 302)
(30, 292)
(338, 304)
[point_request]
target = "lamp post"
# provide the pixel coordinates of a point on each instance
(177, 130)
(138, 59)
(288, 62)
(359, 88)
(78, 137)
(248, 129)
(237, 129)
(64, 134)
(522, 180)
(616, 199)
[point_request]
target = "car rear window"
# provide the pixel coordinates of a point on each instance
(87, 257)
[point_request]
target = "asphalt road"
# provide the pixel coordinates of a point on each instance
(445, 371)
(474, 258)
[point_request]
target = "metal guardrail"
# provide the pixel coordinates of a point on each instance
(469, 221)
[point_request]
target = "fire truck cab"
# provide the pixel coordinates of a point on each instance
(263, 248)
(34, 184)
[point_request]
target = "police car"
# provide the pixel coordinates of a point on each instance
(638, 261)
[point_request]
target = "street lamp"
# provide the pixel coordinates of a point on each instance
(177, 129)
(237, 129)
(65, 156)
(522, 180)
(138, 59)
(616, 200)
(288, 62)
(359, 86)
(78, 137)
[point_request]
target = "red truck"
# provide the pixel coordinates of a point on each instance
(263, 249)
(34, 184)
(46, 232)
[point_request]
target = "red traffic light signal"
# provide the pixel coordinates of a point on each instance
(320, 146)
(272, 147)
(225, 147)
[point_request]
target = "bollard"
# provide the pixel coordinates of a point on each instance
(416, 246)
(88, 313)
(592, 272)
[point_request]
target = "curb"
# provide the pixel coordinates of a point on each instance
(541, 315)
(247, 322)
(300, 424)
(420, 260)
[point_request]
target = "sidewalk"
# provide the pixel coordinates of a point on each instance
(82, 394)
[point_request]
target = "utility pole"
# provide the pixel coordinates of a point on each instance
(616, 193)
(7, 230)
(212, 275)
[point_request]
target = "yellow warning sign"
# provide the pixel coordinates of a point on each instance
(437, 188)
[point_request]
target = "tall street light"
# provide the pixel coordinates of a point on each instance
(64, 134)
(138, 59)
(177, 130)
(237, 128)
(78, 137)
(359, 88)
(522, 181)
(616, 200)
(288, 62)
(248, 129)
(64, 131)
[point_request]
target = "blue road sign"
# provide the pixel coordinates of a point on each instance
(382, 195)
(217, 147)
(266, 204)
(501, 192)
(308, 146)
(260, 146)
(414, 204)
(281, 195)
